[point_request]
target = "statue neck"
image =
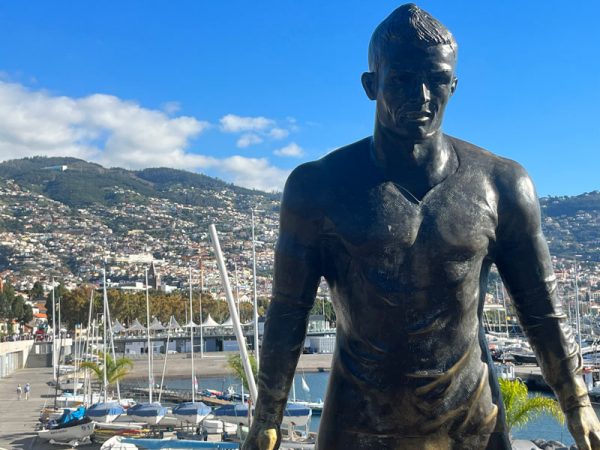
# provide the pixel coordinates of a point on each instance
(416, 164)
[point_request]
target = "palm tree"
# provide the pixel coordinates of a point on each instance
(235, 364)
(115, 369)
(521, 408)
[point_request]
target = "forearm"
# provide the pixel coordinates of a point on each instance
(546, 326)
(285, 330)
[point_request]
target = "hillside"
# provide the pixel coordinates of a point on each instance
(572, 225)
(86, 184)
(66, 222)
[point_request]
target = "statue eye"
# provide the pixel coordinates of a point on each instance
(441, 78)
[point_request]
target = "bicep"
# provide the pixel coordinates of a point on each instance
(297, 270)
(522, 254)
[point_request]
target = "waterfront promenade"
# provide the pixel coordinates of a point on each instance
(19, 417)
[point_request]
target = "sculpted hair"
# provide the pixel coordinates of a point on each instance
(408, 24)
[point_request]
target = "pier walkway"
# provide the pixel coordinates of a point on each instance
(19, 417)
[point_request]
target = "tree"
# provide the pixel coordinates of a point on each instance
(234, 361)
(18, 308)
(59, 292)
(7, 298)
(521, 408)
(322, 304)
(27, 314)
(115, 369)
(37, 291)
(74, 306)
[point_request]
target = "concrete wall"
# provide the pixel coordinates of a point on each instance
(13, 356)
(41, 353)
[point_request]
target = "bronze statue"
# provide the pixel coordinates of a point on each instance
(404, 227)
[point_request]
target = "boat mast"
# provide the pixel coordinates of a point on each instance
(192, 338)
(201, 318)
(104, 349)
(54, 374)
(112, 345)
(233, 312)
(148, 338)
(255, 298)
(577, 305)
(87, 386)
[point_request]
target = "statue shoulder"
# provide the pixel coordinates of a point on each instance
(516, 192)
(313, 183)
(508, 177)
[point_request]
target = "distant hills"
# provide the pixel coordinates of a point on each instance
(84, 184)
(161, 200)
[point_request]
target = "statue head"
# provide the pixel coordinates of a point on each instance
(412, 58)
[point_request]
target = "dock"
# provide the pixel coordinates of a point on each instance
(19, 417)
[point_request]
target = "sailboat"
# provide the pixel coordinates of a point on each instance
(152, 412)
(294, 415)
(316, 407)
(192, 412)
(105, 411)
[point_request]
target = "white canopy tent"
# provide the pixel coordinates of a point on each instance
(136, 326)
(173, 324)
(156, 325)
(210, 322)
(118, 327)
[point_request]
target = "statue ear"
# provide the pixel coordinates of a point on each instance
(369, 82)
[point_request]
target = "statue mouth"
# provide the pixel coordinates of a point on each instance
(417, 115)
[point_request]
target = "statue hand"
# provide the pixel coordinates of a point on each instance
(262, 436)
(585, 428)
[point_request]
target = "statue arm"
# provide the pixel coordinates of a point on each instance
(296, 278)
(524, 262)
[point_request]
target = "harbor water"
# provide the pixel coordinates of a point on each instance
(543, 427)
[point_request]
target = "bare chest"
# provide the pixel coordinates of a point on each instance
(400, 241)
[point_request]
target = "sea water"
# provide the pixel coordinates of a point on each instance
(543, 427)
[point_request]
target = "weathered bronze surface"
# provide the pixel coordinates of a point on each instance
(404, 227)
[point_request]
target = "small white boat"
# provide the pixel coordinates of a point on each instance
(191, 412)
(70, 385)
(68, 434)
(149, 413)
(105, 412)
(315, 407)
(294, 415)
(123, 443)
(71, 426)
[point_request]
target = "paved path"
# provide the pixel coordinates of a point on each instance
(18, 418)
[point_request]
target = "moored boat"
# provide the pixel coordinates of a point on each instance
(105, 412)
(294, 415)
(191, 412)
(149, 413)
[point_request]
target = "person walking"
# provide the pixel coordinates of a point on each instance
(27, 391)
(19, 391)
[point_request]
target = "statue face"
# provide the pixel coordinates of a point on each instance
(413, 89)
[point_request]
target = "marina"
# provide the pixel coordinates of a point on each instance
(17, 428)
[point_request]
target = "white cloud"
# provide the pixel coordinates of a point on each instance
(254, 173)
(248, 139)
(99, 127)
(255, 129)
(236, 124)
(171, 107)
(115, 132)
(292, 150)
(279, 133)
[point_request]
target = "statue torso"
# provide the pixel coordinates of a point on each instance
(405, 277)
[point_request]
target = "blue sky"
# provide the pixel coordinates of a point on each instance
(248, 90)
